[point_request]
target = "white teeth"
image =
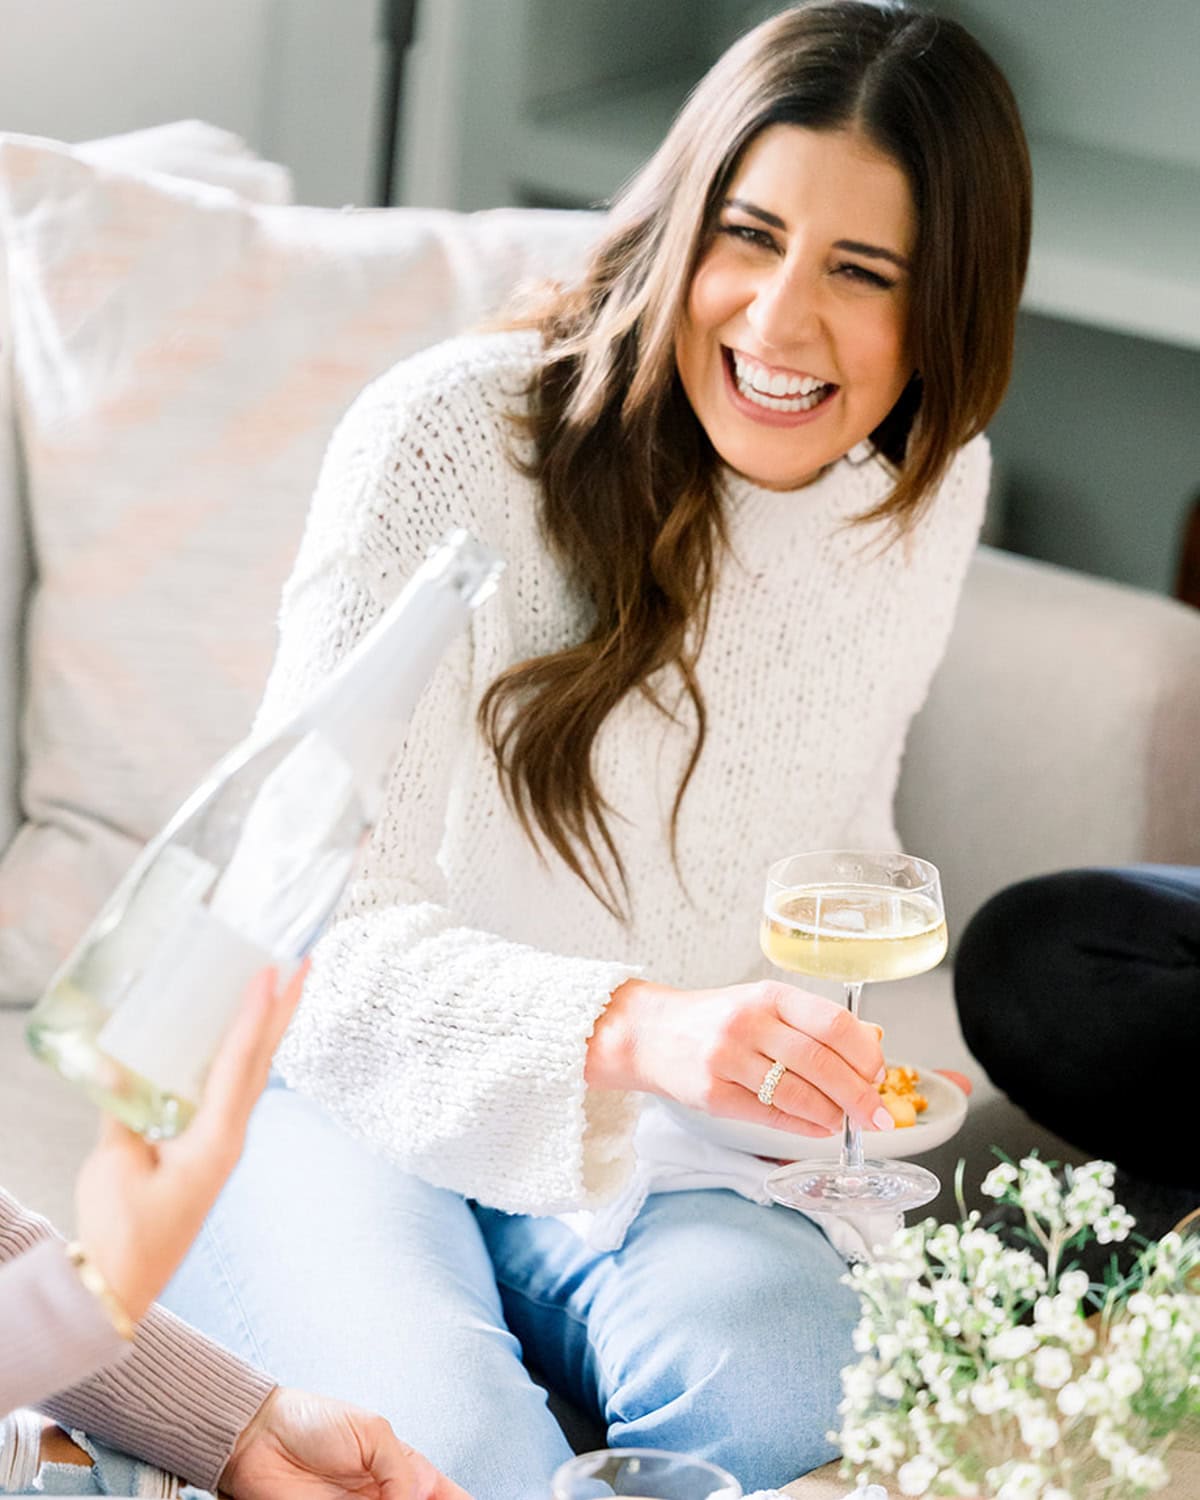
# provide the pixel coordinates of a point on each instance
(757, 384)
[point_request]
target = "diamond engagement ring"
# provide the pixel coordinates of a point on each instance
(766, 1089)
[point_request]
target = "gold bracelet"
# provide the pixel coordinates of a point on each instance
(93, 1278)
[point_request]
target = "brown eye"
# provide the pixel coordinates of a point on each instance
(749, 235)
(854, 272)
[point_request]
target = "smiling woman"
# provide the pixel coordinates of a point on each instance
(737, 474)
(849, 192)
(794, 344)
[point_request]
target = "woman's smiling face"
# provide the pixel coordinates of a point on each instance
(793, 345)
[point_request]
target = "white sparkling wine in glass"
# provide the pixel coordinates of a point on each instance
(853, 933)
(249, 869)
(857, 918)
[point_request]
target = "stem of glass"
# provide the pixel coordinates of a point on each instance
(852, 1148)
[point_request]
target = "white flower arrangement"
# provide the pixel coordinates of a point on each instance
(981, 1373)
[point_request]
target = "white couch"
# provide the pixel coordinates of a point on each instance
(1061, 729)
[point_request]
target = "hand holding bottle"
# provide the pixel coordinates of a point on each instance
(250, 867)
(140, 1204)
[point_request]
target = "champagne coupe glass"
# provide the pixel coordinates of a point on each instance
(642, 1474)
(853, 917)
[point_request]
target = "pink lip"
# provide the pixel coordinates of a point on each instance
(761, 414)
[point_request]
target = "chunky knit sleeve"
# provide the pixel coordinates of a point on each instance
(457, 1053)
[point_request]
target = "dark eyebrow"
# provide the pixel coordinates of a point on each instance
(855, 247)
(756, 213)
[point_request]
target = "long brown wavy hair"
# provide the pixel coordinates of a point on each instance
(630, 500)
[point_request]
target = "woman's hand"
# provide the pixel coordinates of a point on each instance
(140, 1204)
(302, 1447)
(711, 1049)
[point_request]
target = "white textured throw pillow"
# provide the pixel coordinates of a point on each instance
(197, 150)
(180, 359)
(183, 148)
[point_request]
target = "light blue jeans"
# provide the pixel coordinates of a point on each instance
(718, 1329)
(111, 1473)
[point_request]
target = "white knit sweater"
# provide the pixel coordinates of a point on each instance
(447, 1017)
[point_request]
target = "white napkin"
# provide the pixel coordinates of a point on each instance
(673, 1158)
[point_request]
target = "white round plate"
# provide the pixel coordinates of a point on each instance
(944, 1117)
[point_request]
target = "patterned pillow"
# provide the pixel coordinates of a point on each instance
(180, 358)
(196, 150)
(182, 148)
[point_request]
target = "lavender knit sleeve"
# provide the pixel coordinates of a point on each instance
(172, 1397)
(54, 1330)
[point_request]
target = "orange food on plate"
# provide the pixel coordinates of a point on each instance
(900, 1096)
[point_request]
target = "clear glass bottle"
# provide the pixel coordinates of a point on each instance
(249, 868)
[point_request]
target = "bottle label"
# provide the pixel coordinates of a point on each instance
(174, 968)
(176, 880)
(170, 1022)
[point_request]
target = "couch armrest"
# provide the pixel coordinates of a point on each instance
(1063, 728)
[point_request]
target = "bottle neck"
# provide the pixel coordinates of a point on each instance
(363, 708)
